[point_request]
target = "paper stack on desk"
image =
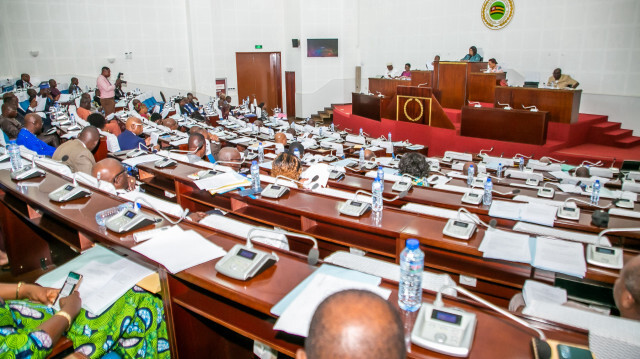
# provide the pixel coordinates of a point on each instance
(222, 182)
(178, 250)
(529, 212)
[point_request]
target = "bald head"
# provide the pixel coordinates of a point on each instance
(369, 155)
(197, 144)
(9, 110)
(258, 123)
(134, 125)
(465, 168)
(112, 171)
(355, 324)
(626, 290)
(230, 154)
(90, 136)
(281, 138)
(33, 123)
(170, 123)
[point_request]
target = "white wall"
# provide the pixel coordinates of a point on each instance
(594, 42)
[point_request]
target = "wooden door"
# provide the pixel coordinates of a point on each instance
(290, 83)
(260, 76)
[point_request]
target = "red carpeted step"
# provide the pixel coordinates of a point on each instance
(453, 114)
(617, 134)
(607, 126)
(628, 142)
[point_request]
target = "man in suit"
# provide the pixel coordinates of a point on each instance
(354, 324)
(25, 81)
(130, 139)
(561, 80)
(8, 121)
(77, 154)
(74, 87)
(112, 171)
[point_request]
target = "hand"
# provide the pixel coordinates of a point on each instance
(36, 293)
(33, 103)
(147, 141)
(213, 137)
(71, 304)
(118, 82)
(131, 183)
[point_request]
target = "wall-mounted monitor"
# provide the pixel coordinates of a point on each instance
(322, 47)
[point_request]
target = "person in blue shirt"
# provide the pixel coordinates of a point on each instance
(187, 107)
(472, 56)
(130, 139)
(27, 136)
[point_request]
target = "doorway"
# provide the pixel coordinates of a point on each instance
(260, 76)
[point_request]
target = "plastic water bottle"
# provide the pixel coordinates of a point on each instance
(253, 127)
(499, 171)
(361, 160)
(470, 173)
(255, 177)
(360, 131)
(333, 128)
(260, 152)
(595, 194)
(488, 189)
(296, 152)
(411, 268)
(320, 131)
(521, 164)
(390, 138)
(72, 118)
(104, 215)
(381, 174)
(14, 156)
(376, 200)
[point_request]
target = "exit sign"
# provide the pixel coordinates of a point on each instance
(258, 47)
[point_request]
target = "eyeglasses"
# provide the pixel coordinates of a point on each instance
(117, 178)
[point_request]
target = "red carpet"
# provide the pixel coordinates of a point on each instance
(573, 143)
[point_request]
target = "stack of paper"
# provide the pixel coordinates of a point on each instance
(560, 256)
(530, 212)
(106, 277)
(223, 182)
(178, 250)
(532, 291)
(297, 316)
(141, 159)
(509, 246)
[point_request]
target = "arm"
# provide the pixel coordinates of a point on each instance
(10, 129)
(104, 85)
(84, 163)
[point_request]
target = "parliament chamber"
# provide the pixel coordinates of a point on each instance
(523, 200)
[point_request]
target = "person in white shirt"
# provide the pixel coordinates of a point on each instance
(390, 73)
(493, 66)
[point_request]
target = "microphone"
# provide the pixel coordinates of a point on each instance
(597, 164)
(400, 195)
(379, 94)
(574, 212)
(484, 151)
(506, 106)
(475, 103)
(533, 108)
(312, 256)
(475, 219)
(313, 179)
(515, 191)
(426, 83)
(608, 257)
(518, 155)
(183, 215)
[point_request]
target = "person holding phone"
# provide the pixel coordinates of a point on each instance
(29, 325)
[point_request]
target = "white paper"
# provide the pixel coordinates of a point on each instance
(532, 291)
(509, 246)
(141, 159)
(560, 233)
(224, 181)
(560, 256)
(297, 317)
(178, 250)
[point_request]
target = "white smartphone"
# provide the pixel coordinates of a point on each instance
(71, 284)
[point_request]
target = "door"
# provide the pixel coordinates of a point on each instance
(260, 76)
(290, 83)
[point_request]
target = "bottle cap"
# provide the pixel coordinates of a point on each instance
(488, 179)
(254, 162)
(412, 243)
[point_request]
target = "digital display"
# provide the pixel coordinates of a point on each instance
(569, 209)
(546, 189)
(460, 224)
(68, 188)
(130, 214)
(246, 254)
(277, 188)
(475, 195)
(356, 204)
(604, 250)
(446, 317)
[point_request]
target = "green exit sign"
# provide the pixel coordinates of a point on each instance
(258, 47)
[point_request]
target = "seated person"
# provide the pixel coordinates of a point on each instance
(212, 143)
(414, 164)
(369, 155)
(27, 136)
(98, 121)
(24, 82)
(286, 165)
(626, 290)
(264, 115)
(192, 99)
(44, 101)
(118, 94)
(84, 110)
(8, 121)
(281, 142)
(436, 59)
(294, 146)
(77, 154)
(53, 88)
(31, 327)
(472, 56)
(493, 66)
(130, 139)
(197, 147)
(155, 118)
(582, 171)
(96, 99)
(231, 157)
(221, 100)
(291, 131)
(561, 81)
(12, 99)
(354, 324)
(228, 101)
(112, 171)
(141, 109)
(170, 123)
(187, 107)
(390, 73)
(74, 87)
(407, 71)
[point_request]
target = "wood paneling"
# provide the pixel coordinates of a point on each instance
(452, 82)
(290, 84)
(505, 125)
(366, 105)
(563, 105)
(260, 76)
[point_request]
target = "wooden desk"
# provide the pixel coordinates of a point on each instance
(452, 78)
(366, 106)
(481, 87)
(387, 87)
(563, 105)
(521, 126)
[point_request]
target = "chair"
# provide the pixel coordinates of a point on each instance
(164, 99)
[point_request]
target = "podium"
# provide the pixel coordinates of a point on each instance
(418, 105)
(366, 105)
(505, 125)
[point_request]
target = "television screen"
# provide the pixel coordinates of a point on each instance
(322, 47)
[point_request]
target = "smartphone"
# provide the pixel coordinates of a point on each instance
(70, 285)
(571, 352)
